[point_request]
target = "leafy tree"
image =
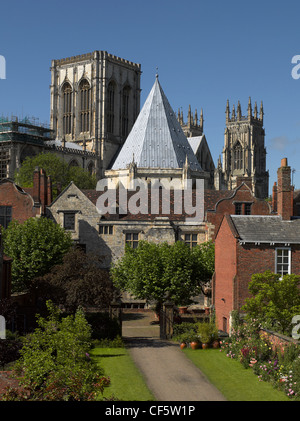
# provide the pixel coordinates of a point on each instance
(274, 300)
(152, 270)
(61, 174)
(54, 362)
(35, 246)
(78, 281)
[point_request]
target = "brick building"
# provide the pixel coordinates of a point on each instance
(19, 204)
(254, 244)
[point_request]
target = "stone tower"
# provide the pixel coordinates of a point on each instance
(95, 100)
(244, 152)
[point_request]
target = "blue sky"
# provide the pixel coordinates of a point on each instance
(206, 52)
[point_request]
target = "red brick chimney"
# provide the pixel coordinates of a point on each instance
(274, 197)
(284, 191)
(42, 189)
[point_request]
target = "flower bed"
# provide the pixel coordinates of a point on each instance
(272, 361)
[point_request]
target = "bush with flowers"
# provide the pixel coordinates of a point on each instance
(278, 365)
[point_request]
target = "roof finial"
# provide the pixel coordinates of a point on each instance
(156, 73)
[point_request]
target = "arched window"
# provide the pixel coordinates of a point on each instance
(84, 98)
(73, 163)
(238, 157)
(67, 108)
(90, 168)
(125, 110)
(111, 107)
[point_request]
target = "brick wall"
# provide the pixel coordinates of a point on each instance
(225, 271)
(226, 205)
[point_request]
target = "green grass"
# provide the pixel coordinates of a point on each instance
(127, 384)
(234, 381)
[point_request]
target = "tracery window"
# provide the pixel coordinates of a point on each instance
(111, 107)
(238, 157)
(84, 98)
(67, 108)
(125, 111)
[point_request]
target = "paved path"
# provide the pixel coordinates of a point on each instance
(169, 374)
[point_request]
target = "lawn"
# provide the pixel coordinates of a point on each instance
(231, 378)
(127, 383)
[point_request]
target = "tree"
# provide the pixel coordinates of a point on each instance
(61, 174)
(274, 300)
(152, 270)
(35, 246)
(78, 281)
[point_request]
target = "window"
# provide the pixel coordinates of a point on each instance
(106, 229)
(242, 208)
(5, 215)
(283, 261)
(125, 111)
(111, 107)
(132, 238)
(238, 208)
(67, 108)
(238, 157)
(191, 239)
(248, 208)
(69, 221)
(84, 92)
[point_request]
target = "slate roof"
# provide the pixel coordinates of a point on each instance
(156, 139)
(266, 229)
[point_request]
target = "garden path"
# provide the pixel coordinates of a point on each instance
(168, 373)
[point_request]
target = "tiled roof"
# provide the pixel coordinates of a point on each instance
(156, 139)
(266, 229)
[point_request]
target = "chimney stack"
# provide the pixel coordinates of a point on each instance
(284, 191)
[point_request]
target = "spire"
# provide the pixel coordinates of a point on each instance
(190, 116)
(255, 110)
(196, 118)
(227, 112)
(233, 112)
(261, 113)
(239, 111)
(249, 108)
(201, 120)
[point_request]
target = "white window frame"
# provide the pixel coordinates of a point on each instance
(289, 259)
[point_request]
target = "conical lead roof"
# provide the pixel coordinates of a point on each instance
(156, 139)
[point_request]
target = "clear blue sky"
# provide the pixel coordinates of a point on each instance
(206, 52)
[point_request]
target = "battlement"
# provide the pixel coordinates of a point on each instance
(95, 55)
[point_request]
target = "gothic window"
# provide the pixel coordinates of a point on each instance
(111, 107)
(238, 157)
(125, 111)
(67, 108)
(90, 168)
(84, 98)
(73, 163)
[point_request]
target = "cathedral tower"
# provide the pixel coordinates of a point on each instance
(95, 100)
(244, 152)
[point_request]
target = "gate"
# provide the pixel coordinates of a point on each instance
(166, 320)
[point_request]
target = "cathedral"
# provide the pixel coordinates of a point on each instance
(96, 122)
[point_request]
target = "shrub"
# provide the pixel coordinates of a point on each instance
(55, 363)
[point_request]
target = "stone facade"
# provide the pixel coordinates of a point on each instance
(95, 99)
(244, 153)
